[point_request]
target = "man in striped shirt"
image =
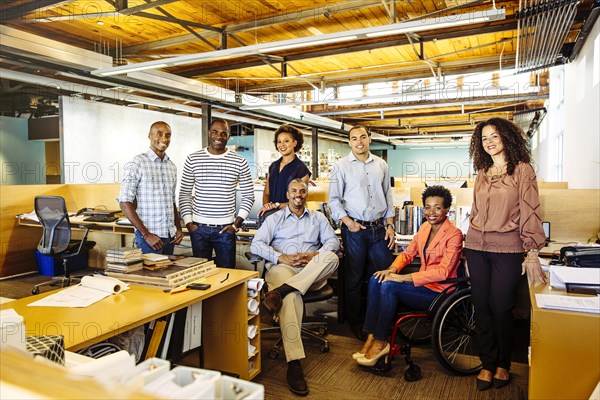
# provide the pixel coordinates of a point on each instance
(147, 195)
(207, 196)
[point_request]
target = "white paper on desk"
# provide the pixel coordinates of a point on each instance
(91, 290)
(30, 216)
(560, 276)
(588, 304)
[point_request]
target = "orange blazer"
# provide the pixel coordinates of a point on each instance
(442, 255)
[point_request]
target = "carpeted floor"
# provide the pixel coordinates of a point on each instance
(335, 375)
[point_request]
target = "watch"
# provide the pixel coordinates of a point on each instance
(277, 204)
(390, 225)
(235, 228)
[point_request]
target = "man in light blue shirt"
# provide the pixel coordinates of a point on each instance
(360, 196)
(147, 196)
(299, 245)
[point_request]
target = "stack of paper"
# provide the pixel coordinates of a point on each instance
(124, 259)
(155, 259)
(588, 304)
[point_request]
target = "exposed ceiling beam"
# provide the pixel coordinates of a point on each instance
(492, 27)
(438, 104)
(21, 10)
(148, 5)
(412, 71)
(316, 12)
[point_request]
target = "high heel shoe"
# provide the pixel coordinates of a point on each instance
(500, 383)
(483, 385)
(357, 355)
(369, 362)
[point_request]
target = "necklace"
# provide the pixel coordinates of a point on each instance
(496, 170)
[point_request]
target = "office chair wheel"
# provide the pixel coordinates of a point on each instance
(35, 291)
(325, 348)
(412, 373)
(273, 354)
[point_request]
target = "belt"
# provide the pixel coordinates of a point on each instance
(375, 222)
(211, 225)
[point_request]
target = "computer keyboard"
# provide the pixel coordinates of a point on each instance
(250, 225)
(100, 218)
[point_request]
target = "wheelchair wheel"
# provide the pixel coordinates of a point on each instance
(453, 331)
(415, 329)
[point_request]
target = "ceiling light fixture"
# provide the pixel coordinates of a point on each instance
(377, 31)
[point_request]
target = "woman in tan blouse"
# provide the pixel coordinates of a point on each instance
(504, 237)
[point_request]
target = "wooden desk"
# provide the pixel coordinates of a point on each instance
(224, 319)
(565, 351)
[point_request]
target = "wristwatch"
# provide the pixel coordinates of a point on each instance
(390, 225)
(277, 204)
(235, 228)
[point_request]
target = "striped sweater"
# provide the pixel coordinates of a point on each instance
(208, 187)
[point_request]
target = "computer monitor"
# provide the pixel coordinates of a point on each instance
(258, 203)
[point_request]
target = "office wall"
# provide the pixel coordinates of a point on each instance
(582, 120)
(428, 164)
(22, 161)
(98, 139)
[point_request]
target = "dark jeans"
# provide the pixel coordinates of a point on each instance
(494, 281)
(206, 238)
(140, 243)
(383, 299)
(365, 252)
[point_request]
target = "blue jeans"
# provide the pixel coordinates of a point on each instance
(365, 252)
(206, 238)
(140, 243)
(383, 299)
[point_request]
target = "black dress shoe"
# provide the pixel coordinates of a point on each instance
(500, 383)
(357, 330)
(295, 378)
(483, 385)
(272, 302)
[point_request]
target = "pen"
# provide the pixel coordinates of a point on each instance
(226, 277)
(176, 290)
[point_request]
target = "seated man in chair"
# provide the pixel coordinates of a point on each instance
(299, 246)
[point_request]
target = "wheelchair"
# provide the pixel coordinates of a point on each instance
(449, 324)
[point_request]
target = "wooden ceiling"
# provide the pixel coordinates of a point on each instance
(144, 30)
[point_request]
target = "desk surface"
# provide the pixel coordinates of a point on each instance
(115, 314)
(565, 351)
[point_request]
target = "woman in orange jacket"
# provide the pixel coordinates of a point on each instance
(439, 244)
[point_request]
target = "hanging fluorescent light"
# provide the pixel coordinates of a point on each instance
(133, 68)
(378, 31)
(442, 22)
(312, 43)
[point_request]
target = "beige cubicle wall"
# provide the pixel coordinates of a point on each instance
(18, 242)
(574, 214)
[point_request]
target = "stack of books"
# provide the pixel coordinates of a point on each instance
(170, 277)
(155, 260)
(124, 259)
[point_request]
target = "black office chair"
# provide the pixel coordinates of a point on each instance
(314, 330)
(56, 237)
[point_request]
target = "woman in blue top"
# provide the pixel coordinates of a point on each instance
(288, 140)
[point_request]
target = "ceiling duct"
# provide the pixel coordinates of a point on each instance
(530, 120)
(543, 26)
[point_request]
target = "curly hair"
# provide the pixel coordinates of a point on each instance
(294, 132)
(438, 191)
(516, 148)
